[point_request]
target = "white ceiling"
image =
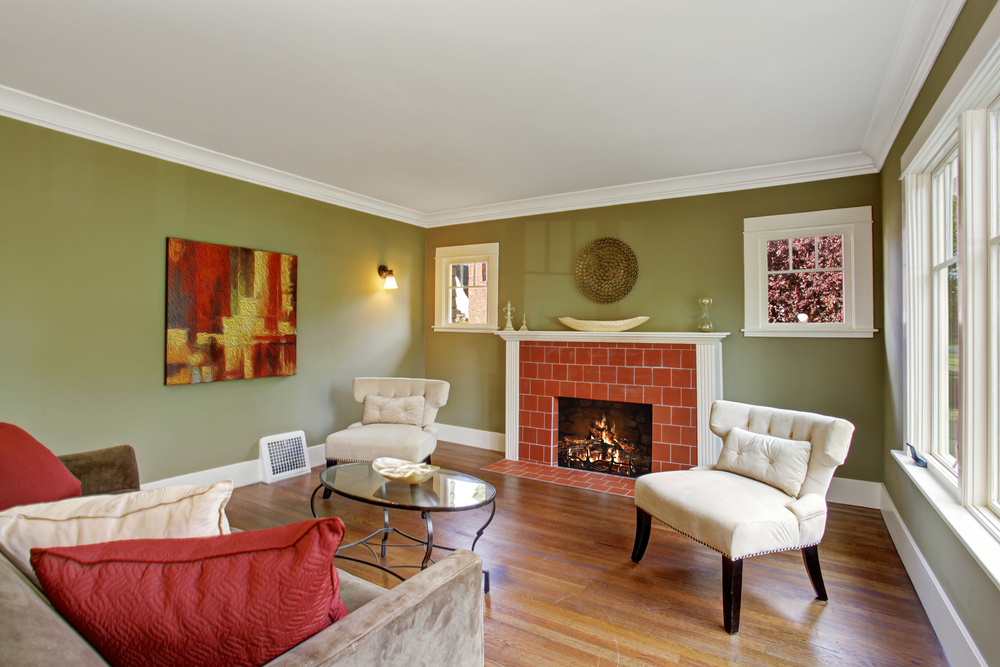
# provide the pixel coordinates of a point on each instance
(444, 111)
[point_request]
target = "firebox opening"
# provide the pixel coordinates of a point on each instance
(605, 436)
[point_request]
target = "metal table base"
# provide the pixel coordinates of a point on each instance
(384, 545)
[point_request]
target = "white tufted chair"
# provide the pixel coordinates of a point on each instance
(401, 427)
(739, 516)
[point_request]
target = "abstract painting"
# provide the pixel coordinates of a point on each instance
(230, 313)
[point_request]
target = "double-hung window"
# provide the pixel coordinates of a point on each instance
(465, 287)
(952, 281)
(945, 357)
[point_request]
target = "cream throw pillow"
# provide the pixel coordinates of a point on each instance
(776, 461)
(399, 410)
(174, 511)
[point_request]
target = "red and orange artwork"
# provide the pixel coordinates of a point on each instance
(230, 313)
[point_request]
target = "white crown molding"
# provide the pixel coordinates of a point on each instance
(46, 113)
(973, 84)
(927, 26)
(784, 173)
(53, 115)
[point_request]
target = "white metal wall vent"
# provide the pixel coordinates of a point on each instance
(283, 456)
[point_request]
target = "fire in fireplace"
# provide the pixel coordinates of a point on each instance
(605, 436)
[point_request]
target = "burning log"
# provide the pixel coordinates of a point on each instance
(603, 451)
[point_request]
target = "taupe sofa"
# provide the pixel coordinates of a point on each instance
(435, 618)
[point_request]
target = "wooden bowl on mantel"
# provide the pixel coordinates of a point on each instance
(603, 325)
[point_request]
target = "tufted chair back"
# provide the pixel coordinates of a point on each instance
(830, 437)
(435, 392)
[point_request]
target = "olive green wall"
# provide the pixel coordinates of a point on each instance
(687, 248)
(83, 230)
(972, 593)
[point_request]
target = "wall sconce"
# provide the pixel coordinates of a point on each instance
(390, 280)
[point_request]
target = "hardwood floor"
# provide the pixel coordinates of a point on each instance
(565, 592)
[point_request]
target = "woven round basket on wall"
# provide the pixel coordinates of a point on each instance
(606, 270)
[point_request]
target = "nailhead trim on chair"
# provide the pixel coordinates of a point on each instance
(759, 553)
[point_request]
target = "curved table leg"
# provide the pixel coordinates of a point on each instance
(430, 539)
(385, 535)
(312, 501)
(479, 533)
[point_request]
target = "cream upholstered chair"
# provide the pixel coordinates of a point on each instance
(767, 493)
(398, 421)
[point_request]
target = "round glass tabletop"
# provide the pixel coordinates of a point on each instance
(447, 491)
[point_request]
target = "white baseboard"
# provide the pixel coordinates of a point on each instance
(855, 492)
(242, 473)
(471, 437)
(958, 646)
(317, 455)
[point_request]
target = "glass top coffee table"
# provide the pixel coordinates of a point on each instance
(447, 491)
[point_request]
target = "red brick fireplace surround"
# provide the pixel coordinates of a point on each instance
(659, 375)
(679, 374)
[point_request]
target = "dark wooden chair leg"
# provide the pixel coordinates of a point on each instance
(810, 556)
(643, 525)
(732, 593)
(329, 464)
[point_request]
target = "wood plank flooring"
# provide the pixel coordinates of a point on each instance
(565, 592)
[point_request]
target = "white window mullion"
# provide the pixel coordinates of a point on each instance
(993, 295)
(974, 312)
(917, 316)
(993, 444)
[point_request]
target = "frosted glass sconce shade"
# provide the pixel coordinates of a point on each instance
(390, 280)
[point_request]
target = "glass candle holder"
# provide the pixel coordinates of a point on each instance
(704, 322)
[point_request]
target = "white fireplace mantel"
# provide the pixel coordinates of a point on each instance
(708, 359)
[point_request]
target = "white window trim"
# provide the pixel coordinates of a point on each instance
(480, 252)
(972, 484)
(939, 261)
(975, 85)
(992, 249)
(856, 226)
(922, 374)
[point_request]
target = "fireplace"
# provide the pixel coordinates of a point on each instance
(605, 436)
(678, 374)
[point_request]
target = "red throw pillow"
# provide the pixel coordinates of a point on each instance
(30, 473)
(240, 599)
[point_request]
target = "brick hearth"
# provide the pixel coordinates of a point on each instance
(661, 375)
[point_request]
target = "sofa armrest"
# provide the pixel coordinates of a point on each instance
(433, 619)
(32, 634)
(107, 470)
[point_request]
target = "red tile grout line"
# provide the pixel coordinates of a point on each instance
(580, 479)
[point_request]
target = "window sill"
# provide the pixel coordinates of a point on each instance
(981, 543)
(809, 333)
(470, 329)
